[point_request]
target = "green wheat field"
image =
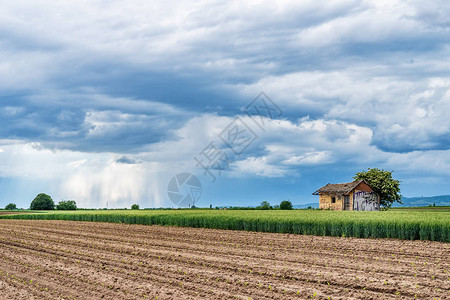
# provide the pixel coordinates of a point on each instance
(411, 224)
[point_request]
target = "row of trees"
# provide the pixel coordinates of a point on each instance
(285, 205)
(45, 202)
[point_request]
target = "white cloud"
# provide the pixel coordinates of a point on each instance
(283, 149)
(371, 22)
(12, 110)
(287, 148)
(259, 166)
(75, 164)
(404, 114)
(310, 158)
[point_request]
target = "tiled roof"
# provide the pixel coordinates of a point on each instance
(343, 188)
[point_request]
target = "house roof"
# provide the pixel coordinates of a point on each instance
(343, 188)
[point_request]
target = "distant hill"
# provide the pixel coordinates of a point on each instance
(443, 200)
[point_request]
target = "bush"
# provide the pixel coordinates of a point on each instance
(42, 202)
(10, 206)
(67, 205)
(286, 205)
(135, 206)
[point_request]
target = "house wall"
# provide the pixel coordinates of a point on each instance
(365, 201)
(363, 187)
(325, 202)
(364, 198)
(351, 200)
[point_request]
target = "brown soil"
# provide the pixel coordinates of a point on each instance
(3, 212)
(82, 260)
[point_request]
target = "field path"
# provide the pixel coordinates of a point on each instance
(83, 260)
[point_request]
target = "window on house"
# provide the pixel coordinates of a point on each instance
(333, 199)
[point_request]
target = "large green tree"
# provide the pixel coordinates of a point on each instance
(383, 184)
(42, 202)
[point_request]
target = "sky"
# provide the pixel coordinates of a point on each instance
(107, 102)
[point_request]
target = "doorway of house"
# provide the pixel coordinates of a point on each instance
(346, 202)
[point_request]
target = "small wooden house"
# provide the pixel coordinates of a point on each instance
(355, 195)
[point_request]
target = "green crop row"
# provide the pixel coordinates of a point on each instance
(410, 225)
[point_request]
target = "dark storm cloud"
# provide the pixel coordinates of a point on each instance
(127, 160)
(107, 82)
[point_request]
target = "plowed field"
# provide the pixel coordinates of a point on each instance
(82, 260)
